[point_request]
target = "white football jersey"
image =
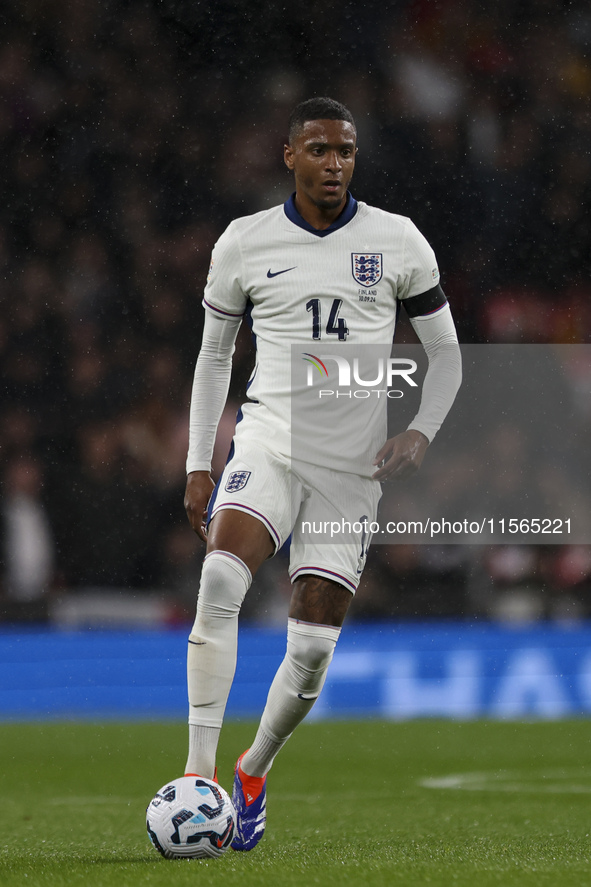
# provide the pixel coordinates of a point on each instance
(299, 286)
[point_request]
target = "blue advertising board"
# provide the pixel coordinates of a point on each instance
(388, 670)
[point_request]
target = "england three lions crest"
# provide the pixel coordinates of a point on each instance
(237, 481)
(367, 268)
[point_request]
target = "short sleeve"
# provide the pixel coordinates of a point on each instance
(223, 292)
(420, 265)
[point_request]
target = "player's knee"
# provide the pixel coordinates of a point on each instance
(310, 650)
(225, 579)
(315, 656)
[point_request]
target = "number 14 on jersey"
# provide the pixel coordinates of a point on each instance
(336, 326)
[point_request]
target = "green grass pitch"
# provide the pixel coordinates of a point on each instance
(368, 803)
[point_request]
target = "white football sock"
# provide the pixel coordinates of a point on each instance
(203, 743)
(294, 691)
(211, 656)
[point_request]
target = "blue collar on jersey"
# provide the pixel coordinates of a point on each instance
(349, 210)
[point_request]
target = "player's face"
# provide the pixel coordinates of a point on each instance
(323, 159)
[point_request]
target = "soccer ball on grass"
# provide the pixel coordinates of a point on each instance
(191, 817)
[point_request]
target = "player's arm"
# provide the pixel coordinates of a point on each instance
(431, 319)
(210, 390)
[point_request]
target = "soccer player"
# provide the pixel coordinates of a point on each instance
(297, 271)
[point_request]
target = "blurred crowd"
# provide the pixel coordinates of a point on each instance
(133, 131)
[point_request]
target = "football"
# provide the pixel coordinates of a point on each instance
(191, 817)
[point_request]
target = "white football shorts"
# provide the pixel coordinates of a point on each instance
(328, 514)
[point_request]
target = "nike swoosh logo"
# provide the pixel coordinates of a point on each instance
(307, 698)
(276, 273)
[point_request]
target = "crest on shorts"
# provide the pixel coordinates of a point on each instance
(237, 481)
(367, 268)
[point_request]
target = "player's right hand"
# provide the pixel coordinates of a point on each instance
(198, 492)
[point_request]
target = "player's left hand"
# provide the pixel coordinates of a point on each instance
(401, 456)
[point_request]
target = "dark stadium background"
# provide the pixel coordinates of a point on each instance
(131, 133)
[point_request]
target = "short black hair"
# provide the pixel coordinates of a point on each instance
(320, 108)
